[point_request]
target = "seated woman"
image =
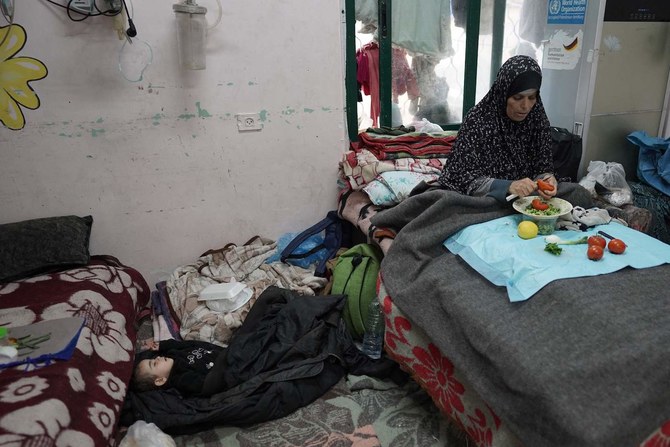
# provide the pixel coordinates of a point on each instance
(504, 144)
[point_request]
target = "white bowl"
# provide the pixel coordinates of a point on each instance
(545, 224)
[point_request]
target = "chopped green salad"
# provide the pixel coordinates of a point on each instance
(552, 210)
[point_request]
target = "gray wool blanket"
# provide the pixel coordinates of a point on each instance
(584, 362)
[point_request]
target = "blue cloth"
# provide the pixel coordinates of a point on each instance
(495, 250)
(653, 166)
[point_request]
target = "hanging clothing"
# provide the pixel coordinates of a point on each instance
(490, 146)
(420, 27)
(367, 74)
(532, 20)
(433, 103)
(459, 9)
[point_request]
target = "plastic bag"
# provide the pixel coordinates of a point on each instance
(608, 180)
(426, 126)
(653, 166)
(141, 434)
(309, 244)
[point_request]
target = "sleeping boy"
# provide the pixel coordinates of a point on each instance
(182, 365)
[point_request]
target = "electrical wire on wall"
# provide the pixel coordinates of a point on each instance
(82, 15)
(134, 58)
(7, 8)
(135, 55)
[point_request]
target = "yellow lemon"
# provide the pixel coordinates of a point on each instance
(527, 229)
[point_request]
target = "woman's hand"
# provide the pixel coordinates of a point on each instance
(549, 193)
(523, 187)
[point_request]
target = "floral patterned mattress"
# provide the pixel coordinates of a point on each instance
(409, 345)
(74, 402)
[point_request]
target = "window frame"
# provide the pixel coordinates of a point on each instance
(385, 54)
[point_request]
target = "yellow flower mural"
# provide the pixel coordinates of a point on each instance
(15, 73)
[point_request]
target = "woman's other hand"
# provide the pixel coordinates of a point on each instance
(523, 187)
(549, 193)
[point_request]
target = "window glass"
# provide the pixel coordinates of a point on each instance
(429, 55)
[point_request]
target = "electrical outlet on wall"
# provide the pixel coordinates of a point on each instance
(248, 121)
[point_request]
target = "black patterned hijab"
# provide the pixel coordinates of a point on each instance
(490, 145)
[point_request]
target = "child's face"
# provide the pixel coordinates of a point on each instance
(159, 367)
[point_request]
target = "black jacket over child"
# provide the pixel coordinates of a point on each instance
(289, 351)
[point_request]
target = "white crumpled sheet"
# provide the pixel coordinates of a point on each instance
(245, 264)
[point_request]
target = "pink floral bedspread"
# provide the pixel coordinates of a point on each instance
(408, 345)
(74, 402)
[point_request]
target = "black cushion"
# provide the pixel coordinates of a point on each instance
(36, 246)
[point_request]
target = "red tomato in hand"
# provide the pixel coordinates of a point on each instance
(616, 246)
(539, 205)
(594, 252)
(545, 186)
(597, 240)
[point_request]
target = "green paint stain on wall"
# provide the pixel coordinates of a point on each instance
(288, 111)
(252, 83)
(194, 136)
(263, 115)
(230, 84)
(186, 116)
(97, 132)
(156, 123)
(99, 120)
(306, 110)
(202, 113)
(64, 135)
(326, 109)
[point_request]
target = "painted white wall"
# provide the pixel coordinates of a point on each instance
(159, 163)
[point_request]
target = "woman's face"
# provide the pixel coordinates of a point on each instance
(520, 105)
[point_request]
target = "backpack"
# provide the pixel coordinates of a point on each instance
(566, 149)
(355, 275)
(337, 234)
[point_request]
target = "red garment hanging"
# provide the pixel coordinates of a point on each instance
(367, 74)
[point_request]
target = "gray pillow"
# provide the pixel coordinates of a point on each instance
(36, 246)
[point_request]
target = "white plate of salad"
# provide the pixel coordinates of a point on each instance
(541, 209)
